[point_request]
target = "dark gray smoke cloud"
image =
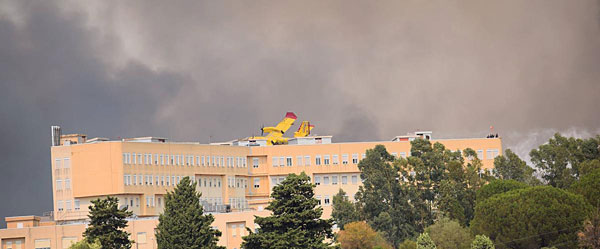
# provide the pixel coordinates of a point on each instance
(219, 70)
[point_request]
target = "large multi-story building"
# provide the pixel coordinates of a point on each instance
(235, 179)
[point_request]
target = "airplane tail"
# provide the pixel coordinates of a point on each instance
(304, 129)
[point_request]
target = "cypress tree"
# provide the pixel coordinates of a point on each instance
(183, 223)
(295, 221)
(106, 224)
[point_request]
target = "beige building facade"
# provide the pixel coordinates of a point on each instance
(235, 179)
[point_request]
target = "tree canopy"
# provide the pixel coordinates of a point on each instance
(482, 242)
(561, 158)
(383, 201)
(531, 217)
(589, 187)
(106, 225)
(183, 223)
(449, 234)
(295, 221)
(343, 211)
(425, 242)
(510, 167)
(498, 187)
(359, 235)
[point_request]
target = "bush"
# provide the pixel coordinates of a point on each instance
(448, 234)
(425, 242)
(482, 242)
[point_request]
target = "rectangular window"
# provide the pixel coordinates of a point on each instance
(255, 162)
(66, 163)
(327, 201)
(155, 159)
(318, 197)
(281, 161)
(141, 178)
(336, 159)
(364, 156)
(221, 163)
(344, 180)
(334, 180)
(244, 162)
(42, 244)
(317, 180)
(299, 160)
(318, 160)
(395, 154)
(288, 161)
(162, 180)
(345, 159)
(275, 161)
(141, 238)
(403, 154)
(76, 204)
(480, 154)
(59, 205)
(325, 180)
(68, 183)
(257, 182)
(59, 185)
(68, 205)
(306, 160)
(135, 180)
(326, 159)
(57, 163)
(354, 158)
(134, 158)
(354, 179)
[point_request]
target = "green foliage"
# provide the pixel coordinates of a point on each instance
(425, 242)
(531, 218)
(84, 244)
(510, 167)
(498, 187)
(344, 211)
(560, 159)
(183, 223)
(449, 234)
(482, 242)
(408, 244)
(589, 187)
(107, 222)
(295, 221)
(589, 166)
(383, 201)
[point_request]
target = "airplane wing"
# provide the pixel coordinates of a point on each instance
(282, 127)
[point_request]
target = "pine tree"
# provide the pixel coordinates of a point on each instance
(107, 222)
(183, 224)
(295, 221)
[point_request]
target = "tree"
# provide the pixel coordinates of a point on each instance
(510, 167)
(449, 234)
(589, 187)
(532, 217)
(560, 159)
(408, 244)
(295, 221)
(589, 237)
(183, 223)
(498, 187)
(589, 166)
(84, 244)
(482, 242)
(106, 225)
(359, 235)
(383, 201)
(425, 242)
(344, 211)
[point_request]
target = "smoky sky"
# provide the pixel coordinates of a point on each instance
(219, 70)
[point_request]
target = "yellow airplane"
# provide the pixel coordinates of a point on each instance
(275, 134)
(304, 129)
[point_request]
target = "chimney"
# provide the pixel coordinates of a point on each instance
(56, 135)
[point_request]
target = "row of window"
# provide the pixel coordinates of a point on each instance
(235, 182)
(333, 179)
(60, 186)
(149, 180)
(66, 205)
(62, 163)
(184, 160)
(279, 161)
